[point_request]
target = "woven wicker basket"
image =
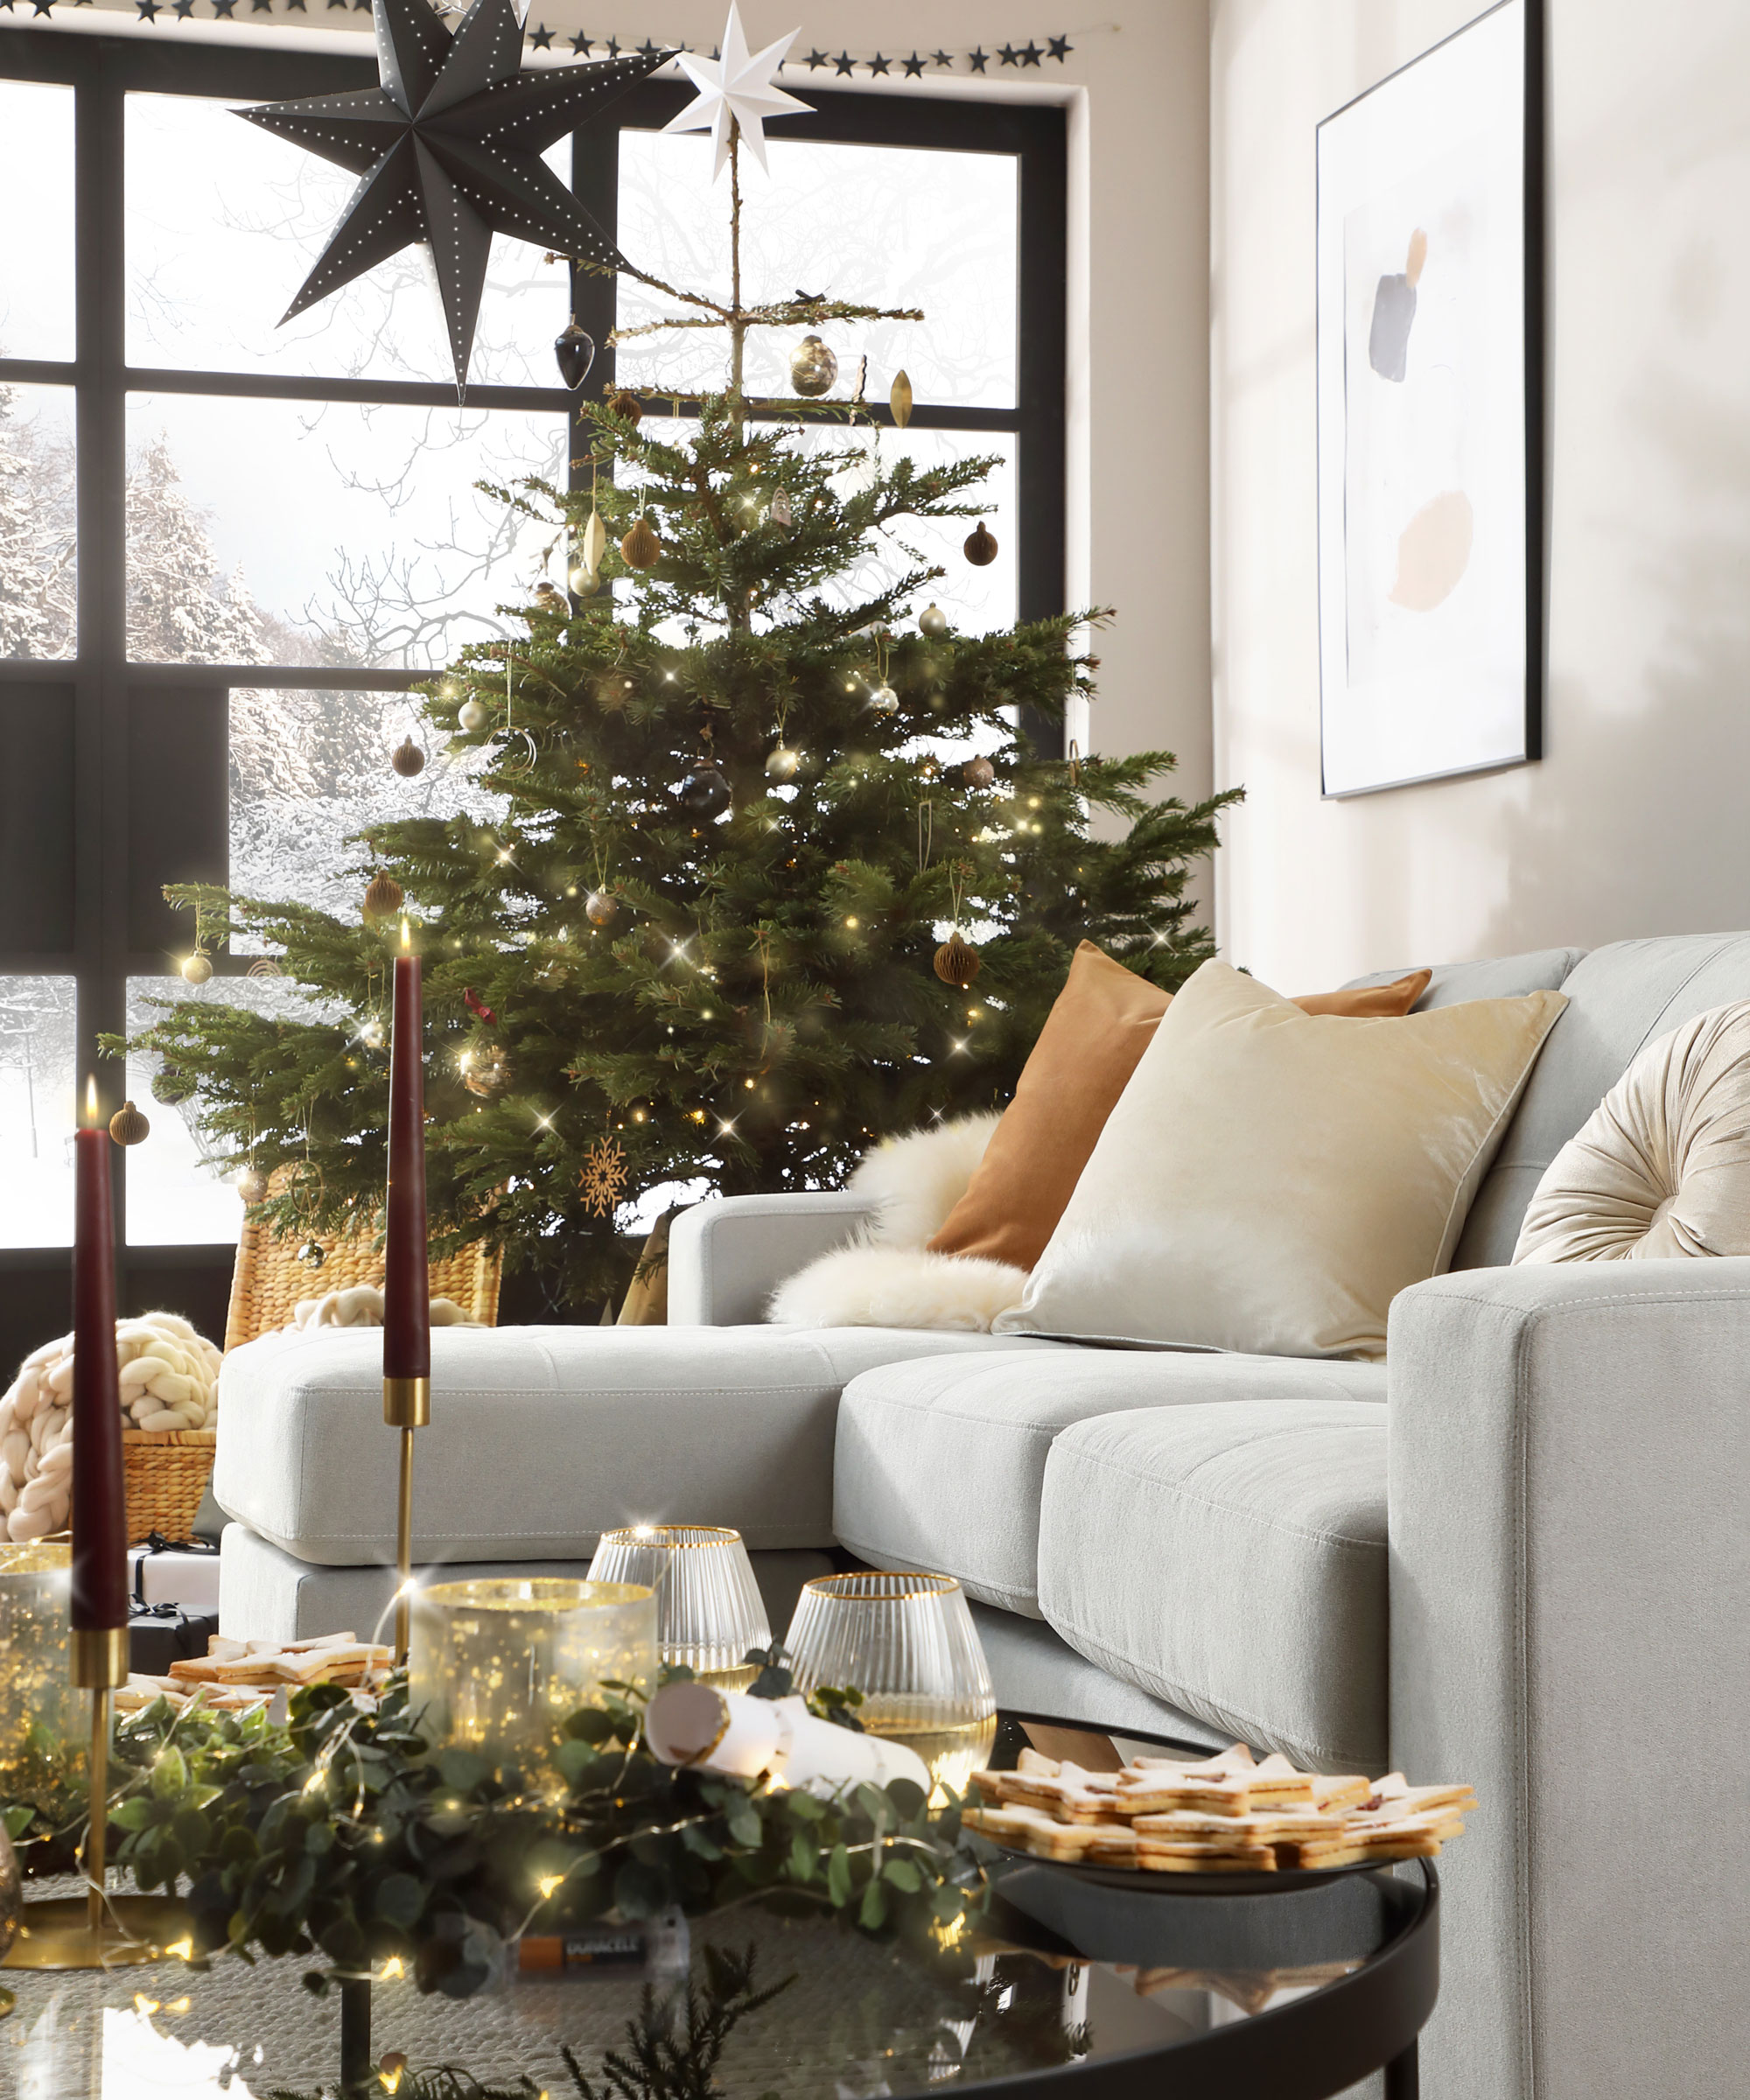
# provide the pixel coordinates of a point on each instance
(166, 1472)
(268, 1280)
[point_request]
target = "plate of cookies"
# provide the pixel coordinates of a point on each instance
(1230, 1824)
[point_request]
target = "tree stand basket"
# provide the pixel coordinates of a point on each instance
(166, 1472)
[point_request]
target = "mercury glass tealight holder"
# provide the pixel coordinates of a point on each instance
(709, 1609)
(907, 1643)
(497, 1666)
(42, 1718)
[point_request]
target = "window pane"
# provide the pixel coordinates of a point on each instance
(36, 229)
(309, 771)
(38, 547)
(313, 533)
(883, 226)
(223, 223)
(176, 1195)
(38, 1096)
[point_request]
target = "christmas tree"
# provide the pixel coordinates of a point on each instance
(773, 871)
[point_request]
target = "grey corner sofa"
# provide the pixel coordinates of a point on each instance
(1517, 1553)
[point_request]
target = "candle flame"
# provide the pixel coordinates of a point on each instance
(406, 933)
(91, 1100)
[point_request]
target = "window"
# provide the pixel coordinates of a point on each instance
(227, 548)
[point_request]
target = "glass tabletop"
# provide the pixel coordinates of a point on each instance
(1063, 1972)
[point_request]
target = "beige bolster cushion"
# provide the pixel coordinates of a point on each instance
(1662, 1167)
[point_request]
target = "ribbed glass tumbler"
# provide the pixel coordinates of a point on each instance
(708, 1610)
(907, 1643)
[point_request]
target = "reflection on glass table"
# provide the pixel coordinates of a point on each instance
(1074, 1987)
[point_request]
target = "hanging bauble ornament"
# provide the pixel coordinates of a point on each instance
(471, 716)
(408, 759)
(252, 1186)
(813, 367)
(932, 621)
(486, 1070)
(313, 1254)
(783, 762)
(550, 599)
(780, 511)
(957, 962)
(170, 1085)
(883, 700)
(127, 1126)
(640, 547)
(592, 542)
(900, 400)
(704, 793)
(584, 582)
(627, 406)
(575, 351)
(372, 1033)
(384, 897)
(981, 547)
(978, 773)
(197, 968)
(599, 908)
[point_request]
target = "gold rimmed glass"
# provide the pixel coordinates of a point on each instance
(907, 1643)
(496, 1666)
(709, 1609)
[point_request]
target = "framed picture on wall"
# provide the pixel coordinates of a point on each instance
(1430, 492)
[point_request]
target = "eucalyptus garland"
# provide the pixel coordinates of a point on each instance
(343, 1834)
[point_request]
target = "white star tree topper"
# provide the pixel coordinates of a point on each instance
(736, 92)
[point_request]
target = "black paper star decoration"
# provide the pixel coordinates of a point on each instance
(977, 59)
(1032, 54)
(44, 7)
(844, 63)
(448, 149)
(817, 60)
(913, 68)
(1061, 48)
(878, 64)
(148, 9)
(944, 58)
(1008, 54)
(541, 37)
(221, 10)
(648, 50)
(582, 45)
(183, 9)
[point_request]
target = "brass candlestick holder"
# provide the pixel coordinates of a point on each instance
(407, 1406)
(97, 1930)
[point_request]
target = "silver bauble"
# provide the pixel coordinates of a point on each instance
(933, 620)
(599, 908)
(783, 762)
(313, 1254)
(197, 969)
(252, 1186)
(883, 700)
(470, 717)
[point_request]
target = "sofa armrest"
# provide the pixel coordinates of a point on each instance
(1569, 1590)
(726, 1258)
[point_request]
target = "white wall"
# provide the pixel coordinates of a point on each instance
(1635, 822)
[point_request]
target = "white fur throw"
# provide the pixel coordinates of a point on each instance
(885, 1278)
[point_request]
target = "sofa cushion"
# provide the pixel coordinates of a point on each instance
(941, 1463)
(542, 1437)
(1231, 1561)
(1662, 1166)
(1620, 999)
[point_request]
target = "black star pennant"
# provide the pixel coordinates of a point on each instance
(817, 60)
(448, 149)
(1061, 48)
(914, 67)
(541, 38)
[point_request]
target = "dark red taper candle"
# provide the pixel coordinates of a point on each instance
(99, 1495)
(407, 1291)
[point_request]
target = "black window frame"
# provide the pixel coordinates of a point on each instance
(138, 728)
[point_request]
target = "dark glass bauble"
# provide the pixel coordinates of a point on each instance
(704, 793)
(574, 351)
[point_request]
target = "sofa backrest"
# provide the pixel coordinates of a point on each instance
(1621, 998)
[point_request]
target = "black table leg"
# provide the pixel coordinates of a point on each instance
(1402, 2079)
(355, 2037)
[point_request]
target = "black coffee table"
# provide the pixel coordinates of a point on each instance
(1074, 1988)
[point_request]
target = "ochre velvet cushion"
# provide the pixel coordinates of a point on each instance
(1272, 1179)
(1662, 1167)
(1103, 1019)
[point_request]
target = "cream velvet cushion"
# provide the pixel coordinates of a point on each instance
(1662, 1167)
(1271, 1179)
